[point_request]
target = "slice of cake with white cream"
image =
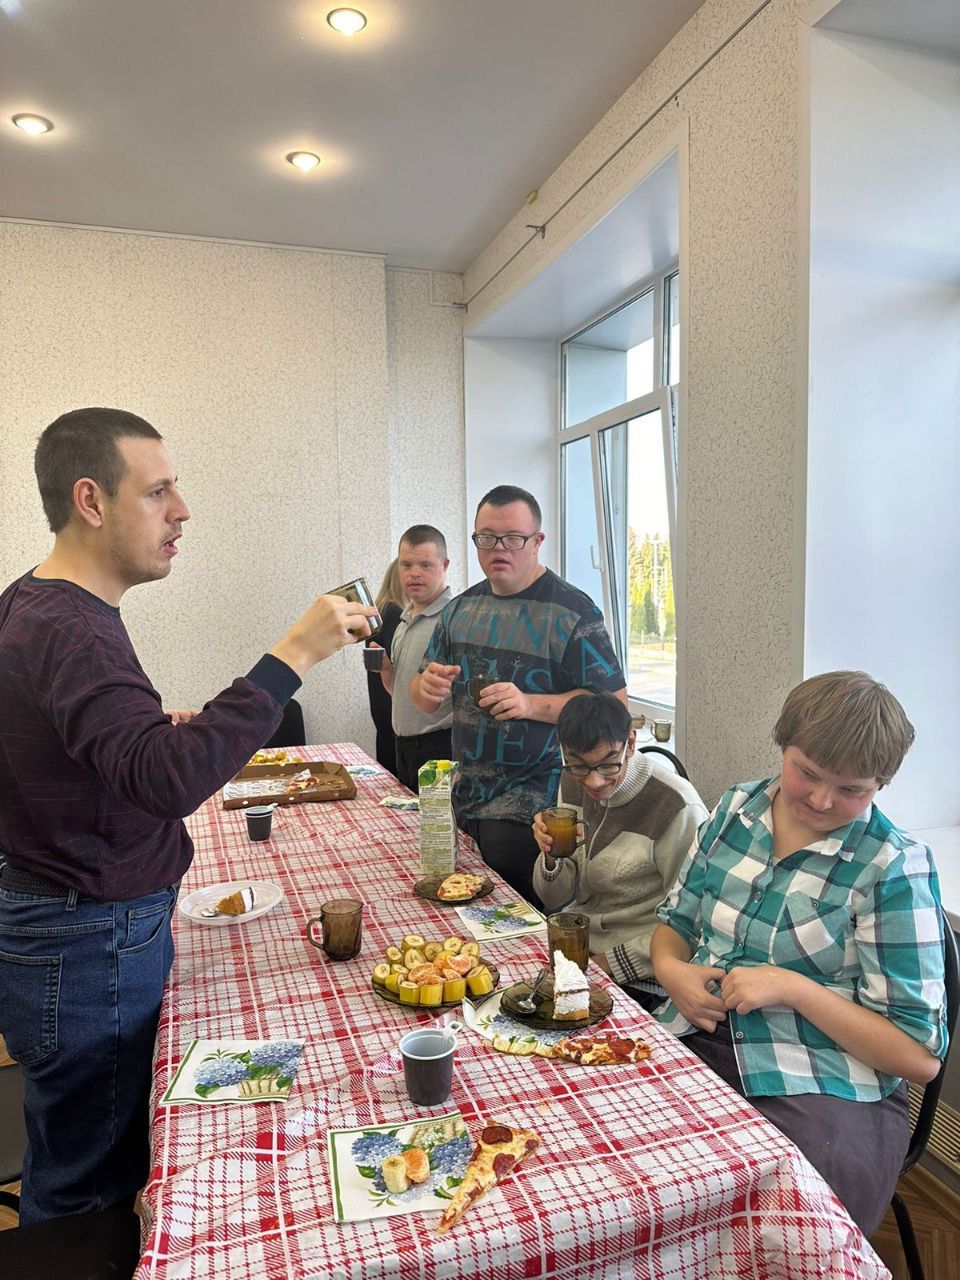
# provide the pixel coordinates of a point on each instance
(571, 991)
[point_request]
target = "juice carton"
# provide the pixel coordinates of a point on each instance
(438, 826)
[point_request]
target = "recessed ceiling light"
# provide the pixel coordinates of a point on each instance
(34, 125)
(347, 21)
(303, 160)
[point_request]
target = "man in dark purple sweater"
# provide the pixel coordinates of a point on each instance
(94, 780)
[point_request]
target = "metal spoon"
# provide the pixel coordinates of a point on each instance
(527, 1004)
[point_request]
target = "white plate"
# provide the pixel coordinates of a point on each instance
(266, 897)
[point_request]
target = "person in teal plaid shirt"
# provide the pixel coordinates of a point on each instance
(802, 946)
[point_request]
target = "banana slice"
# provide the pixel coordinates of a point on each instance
(394, 1170)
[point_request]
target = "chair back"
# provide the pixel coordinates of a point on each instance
(674, 760)
(931, 1091)
(290, 731)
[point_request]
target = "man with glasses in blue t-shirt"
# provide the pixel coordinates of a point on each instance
(543, 642)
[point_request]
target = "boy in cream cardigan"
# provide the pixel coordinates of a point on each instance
(639, 820)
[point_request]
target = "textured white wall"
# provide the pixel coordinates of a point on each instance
(267, 371)
(510, 423)
(883, 541)
(740, 643)
(425, 366)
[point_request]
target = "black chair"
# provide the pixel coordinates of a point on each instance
(290, 731)
(928, 1104)
(13, 1133)
(674, 760)
(85, 1246)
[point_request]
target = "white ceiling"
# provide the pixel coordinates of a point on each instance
(434, 123)
(921, 24)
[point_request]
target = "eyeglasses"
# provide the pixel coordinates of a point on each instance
(583, 771)
(509, 541)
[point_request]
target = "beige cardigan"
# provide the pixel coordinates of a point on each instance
(634, 845)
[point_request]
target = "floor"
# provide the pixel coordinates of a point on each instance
(937, 1238)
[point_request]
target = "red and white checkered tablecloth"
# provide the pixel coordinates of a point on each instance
(652, 1170)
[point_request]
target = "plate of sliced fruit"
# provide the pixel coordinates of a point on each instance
(420, 973)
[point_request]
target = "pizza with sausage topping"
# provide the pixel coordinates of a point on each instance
(497, 1153)
(600, 1051)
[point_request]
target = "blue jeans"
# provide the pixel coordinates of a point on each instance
(80, 990)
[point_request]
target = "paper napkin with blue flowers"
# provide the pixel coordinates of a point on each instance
(235, 1071)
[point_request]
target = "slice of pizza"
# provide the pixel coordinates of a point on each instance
(460, 885)
(498, 1151)
(593, 1051)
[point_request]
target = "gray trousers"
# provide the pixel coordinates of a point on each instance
(857, 1147)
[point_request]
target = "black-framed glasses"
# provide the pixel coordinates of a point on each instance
(509, 541)
(583, 771)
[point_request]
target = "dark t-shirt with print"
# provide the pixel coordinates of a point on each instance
(549, 638)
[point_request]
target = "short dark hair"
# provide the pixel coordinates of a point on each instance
(503, 494)
(592, 718)
(83, 443)
(418, 533)
(847, 722)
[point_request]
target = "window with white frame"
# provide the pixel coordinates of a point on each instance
(619, 481)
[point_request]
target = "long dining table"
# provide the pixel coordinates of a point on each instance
(649, 1169)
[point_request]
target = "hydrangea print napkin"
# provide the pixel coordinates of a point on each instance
(235, 1071)
(408, 804)
(439, 1150)
(506, 920)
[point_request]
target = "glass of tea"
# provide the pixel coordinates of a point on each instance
(569, 933)
(359, 592)
(561, 824)
(479, 683)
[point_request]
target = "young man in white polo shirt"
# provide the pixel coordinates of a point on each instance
(422, 562)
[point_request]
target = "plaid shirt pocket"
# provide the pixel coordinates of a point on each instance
(811, 933)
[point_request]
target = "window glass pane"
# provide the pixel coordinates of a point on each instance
(634, 482)
(581, 549)
(609, 363)
(672, 287)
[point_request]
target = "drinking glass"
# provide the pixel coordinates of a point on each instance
(561, 824)
(341, 924)
(478, 684)
(569, 933)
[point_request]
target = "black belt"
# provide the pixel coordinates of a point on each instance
(421, 737)
(18, 881)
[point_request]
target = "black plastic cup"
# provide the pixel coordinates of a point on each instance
(373, 659)
(259, 821)
(427, 1066)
